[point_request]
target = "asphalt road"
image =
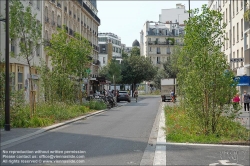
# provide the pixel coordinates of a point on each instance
(116, 137)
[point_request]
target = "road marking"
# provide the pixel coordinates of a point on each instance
(225, 162)
(194, 144)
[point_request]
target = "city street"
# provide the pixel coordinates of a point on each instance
(116, 137)
(125, 135)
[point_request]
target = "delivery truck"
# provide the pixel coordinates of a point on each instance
(167, 85)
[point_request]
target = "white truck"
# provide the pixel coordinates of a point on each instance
(167, 85)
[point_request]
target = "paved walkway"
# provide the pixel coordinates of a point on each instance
(244, 118)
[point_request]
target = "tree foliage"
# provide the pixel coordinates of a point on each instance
(201, 70)
(136, 69)
(112, 71)
(124, 55)
(170, 66)
(25, 29)
(135, 51)
(70, 59)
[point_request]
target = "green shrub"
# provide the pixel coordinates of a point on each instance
(96, 105)
(46, 114)
(181, 128)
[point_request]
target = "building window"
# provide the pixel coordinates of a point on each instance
(241, 28)
(158, 60)
(158, 50)
(237, 9)
(168, 50)
(230, 38)
(20, 77)
(104, 60)
(12, 47)
(226, 15)
(233, 8)
(150, 49)
(38, 4)
(233, 35)
(227, 41)
(237, 32)
(242, 55)
(241, 4)
(38, 50)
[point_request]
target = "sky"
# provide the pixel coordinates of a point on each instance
(126, 18)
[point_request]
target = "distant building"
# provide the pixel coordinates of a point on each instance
(158, 40)
(110, 47)
(178, 14)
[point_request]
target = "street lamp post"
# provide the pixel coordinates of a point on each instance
(7, 76)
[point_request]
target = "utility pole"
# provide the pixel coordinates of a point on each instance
(7, 76)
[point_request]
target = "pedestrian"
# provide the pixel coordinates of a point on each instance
(246, 100)
(236, 101)
(136, 94)
(172, 96)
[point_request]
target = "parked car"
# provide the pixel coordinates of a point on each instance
(123, 96)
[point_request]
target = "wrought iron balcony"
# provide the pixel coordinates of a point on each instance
(89, 10)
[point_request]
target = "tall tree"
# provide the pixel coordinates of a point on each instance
(70, 59)
(202, 67)
(124, 55)
(25, 28)
(136, 69)
(112, 71)
(135, 51)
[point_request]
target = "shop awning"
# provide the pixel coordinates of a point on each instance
(243, 80)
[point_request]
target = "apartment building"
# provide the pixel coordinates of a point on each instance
(178, 14)
(78, 16)
(110, 47)
(158, 40)
(237, 30)
(19, 70)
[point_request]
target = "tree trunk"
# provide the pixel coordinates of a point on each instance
(31, 93)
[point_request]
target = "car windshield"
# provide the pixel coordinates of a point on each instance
(122, 93)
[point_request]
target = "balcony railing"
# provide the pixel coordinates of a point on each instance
(247, 57)
(159, 43)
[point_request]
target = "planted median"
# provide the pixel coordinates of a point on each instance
(47, 114)
(182, 128)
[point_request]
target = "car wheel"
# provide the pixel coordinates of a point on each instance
(129, 101)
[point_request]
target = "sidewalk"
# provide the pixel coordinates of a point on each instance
(244, 118)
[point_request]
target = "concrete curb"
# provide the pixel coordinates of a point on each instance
(50, 128)
(160, 151)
